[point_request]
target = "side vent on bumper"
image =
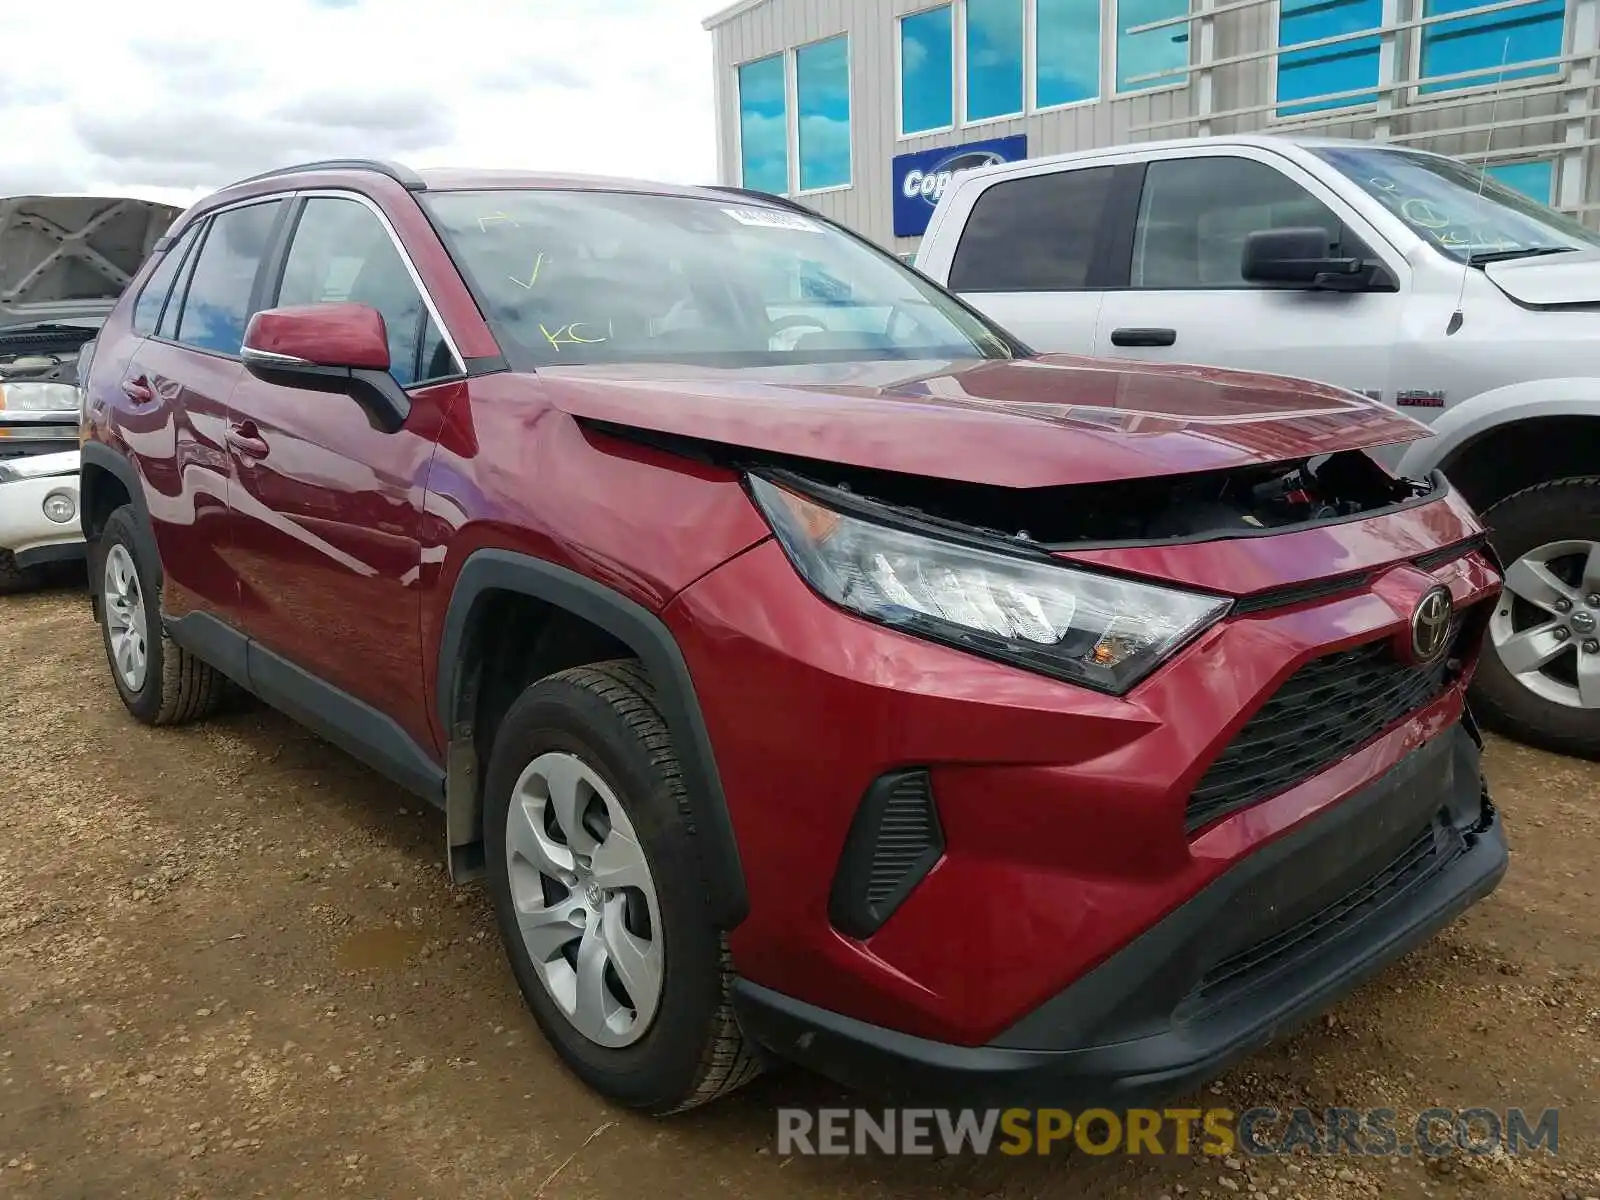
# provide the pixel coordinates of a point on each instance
(894, 841)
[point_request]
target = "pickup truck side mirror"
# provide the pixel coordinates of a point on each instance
(1300, 257)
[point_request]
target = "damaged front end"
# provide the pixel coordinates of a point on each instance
(1247, 501)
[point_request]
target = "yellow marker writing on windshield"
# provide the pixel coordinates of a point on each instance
(485, 220)
(538, 264)
(568, 335)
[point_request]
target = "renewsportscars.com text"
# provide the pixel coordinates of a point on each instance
(1261, 1132)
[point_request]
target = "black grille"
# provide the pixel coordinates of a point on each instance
(1323, 711)
(1420, 859)
(894, 841)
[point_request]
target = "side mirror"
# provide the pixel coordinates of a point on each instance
(1300, 257)
(340, 348)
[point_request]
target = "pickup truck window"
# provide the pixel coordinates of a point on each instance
(1034, 234)
(574, 278)
(1453, 205)
(1195, 214)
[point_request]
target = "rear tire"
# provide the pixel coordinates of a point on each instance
(160, 682)
(595, 733)
(1548, 537)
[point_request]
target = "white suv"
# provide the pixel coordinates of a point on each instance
(1406, 276)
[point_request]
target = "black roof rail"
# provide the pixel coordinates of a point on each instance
(769, 197)
(404, 176)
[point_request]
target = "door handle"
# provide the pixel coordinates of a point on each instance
(138, 390)
(247, 440)
(1143, 337)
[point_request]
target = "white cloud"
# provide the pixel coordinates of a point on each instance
(174, 99)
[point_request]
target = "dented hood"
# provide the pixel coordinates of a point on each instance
(1039, 422)
(69, 257)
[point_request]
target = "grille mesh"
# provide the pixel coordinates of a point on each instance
(906, 833)
(1326, 709)
(1420, 859)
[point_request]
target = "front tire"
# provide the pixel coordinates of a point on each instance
(599, 897)
(1539, 680)
(160, 682)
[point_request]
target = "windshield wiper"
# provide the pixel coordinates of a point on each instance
(1494, 256)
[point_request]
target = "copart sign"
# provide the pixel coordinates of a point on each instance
(920, 178)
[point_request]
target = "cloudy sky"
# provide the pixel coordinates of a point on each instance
(169, 98)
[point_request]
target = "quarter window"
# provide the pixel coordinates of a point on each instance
(1195, 214)
(1035, 234)
(927, 71)
(764, 125)
(822, 98)
(153, 298)
(217, 305)
(1490, 46)
(342, 252)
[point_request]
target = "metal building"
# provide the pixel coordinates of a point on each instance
(861, 108)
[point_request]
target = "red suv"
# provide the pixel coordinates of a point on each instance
(813, 672)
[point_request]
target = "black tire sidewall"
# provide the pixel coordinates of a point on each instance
(662, 1067)
(120, 529)
(1517, 525)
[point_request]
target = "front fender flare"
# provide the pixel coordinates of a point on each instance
(648, 637)
(1459, 426)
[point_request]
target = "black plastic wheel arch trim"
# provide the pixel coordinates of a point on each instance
(103, 458)
(647, 636)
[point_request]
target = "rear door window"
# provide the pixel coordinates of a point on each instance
(153, 298)
(1035, 234)
(217, 305)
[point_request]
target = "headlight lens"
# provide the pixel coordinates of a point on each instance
(1097, 630)
(39, 397)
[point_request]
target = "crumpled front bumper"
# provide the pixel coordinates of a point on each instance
(25, 530)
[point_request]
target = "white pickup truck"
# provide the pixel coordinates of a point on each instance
(1406, 276)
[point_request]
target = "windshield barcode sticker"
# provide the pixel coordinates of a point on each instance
(770, 218)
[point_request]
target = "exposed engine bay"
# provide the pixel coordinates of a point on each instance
(1239, 502)
(48, 356)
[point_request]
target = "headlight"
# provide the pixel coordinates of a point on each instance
(1097, 630)
(39, 397)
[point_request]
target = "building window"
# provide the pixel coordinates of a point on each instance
(1535, 179)
(822, 104)
(1317, 71)
(1067, 51)
(1490, 45)
(1163, 49)
(927, 71)
(764, 126)
(993, 58)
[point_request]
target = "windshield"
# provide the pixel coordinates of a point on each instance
(574, 278)
(1440, 199)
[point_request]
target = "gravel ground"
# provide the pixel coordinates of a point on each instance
(231, 965)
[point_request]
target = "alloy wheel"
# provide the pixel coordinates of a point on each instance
(123, 605)
(585, 900)
(1546, 628)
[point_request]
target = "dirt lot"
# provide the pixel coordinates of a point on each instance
(231, 965)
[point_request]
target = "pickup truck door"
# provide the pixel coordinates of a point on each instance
(1182, 297)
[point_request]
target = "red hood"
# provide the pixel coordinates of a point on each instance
(1057, 419)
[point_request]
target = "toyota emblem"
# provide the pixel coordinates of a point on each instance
(1430, 625)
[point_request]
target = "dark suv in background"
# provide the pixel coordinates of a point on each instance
(813, 671)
